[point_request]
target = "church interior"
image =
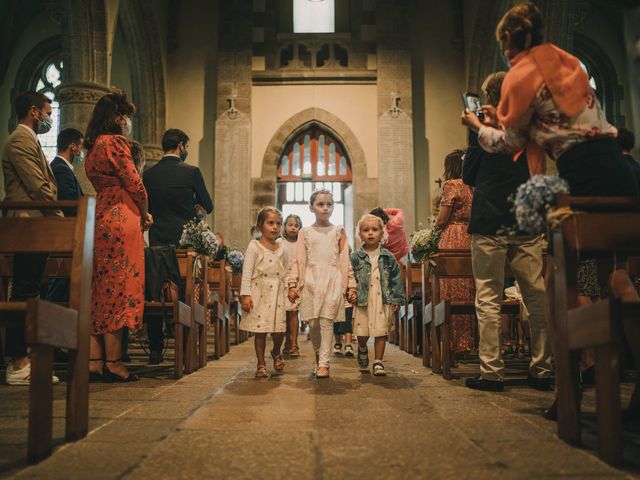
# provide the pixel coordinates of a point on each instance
(361, 99)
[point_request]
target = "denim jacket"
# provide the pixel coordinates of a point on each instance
(390, 277)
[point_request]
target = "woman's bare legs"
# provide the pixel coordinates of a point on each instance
(113, 350)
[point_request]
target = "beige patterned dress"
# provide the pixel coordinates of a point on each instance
(263, 276)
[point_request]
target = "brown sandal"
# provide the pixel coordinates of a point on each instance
(261, 372)
(322, 372)
(294, 351)
(278, 363)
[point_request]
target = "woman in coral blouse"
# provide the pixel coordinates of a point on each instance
(121, 217)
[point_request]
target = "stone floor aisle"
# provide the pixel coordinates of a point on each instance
(221, 423)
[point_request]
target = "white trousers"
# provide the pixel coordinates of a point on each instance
(321, 331)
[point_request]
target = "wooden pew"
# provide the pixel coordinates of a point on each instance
(453, 264)
(49, 325)
(605, 228)
(218, 303)
(400, 325)
(425, 307)
(413, 337)
(196, 297)
(235, 310)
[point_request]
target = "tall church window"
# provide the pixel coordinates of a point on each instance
(324, 165)
(314, 16)
(47, 77)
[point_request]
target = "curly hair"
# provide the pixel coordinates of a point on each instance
(524, 24)
(379, 212)
(103, 119)
(491, 87)
(370, 216)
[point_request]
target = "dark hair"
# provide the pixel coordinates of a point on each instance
(68, 136)
(103, 119)
(453, 165)
(172, 138)
(26, 100)
(491, 87)
(380, 213)
(626, 139)
(322, 191)
(137, 155)
(524, 24)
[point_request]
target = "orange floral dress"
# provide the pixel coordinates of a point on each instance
(457, 195)
(118, 258)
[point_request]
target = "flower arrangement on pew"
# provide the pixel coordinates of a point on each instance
(535, 199)
(424, 242)
(197, 234)
(235, 259)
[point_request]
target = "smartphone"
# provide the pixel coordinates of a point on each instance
(472, 102)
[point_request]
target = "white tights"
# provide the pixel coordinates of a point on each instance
(321, 331)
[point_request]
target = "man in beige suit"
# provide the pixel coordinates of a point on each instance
(27, 177)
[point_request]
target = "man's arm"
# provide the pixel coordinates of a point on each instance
(66, 183)
(472, 160)
(202, 195)
(25, 158)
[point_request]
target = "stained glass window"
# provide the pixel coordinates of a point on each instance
(46, 80)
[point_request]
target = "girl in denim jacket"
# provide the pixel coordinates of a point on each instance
(379, 291)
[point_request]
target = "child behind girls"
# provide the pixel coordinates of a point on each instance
(262, 290)
(321, 275)
(379, 291)
(292, 226)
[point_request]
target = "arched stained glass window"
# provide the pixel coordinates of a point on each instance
(47, 78)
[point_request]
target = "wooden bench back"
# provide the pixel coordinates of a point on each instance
(70, 239)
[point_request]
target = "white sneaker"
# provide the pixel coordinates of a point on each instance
(337, 349)
(23, 376)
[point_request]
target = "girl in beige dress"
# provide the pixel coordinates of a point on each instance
(262, 289)
(292, 225)
(321, 275)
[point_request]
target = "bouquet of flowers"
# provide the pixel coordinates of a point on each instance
(424, 242)
(197, 234)
(235, 258)
(534, 199)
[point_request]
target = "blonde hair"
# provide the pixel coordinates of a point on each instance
(262, 216)
(378, 220)
(284, 224)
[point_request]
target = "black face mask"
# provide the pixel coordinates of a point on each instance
(184, 154)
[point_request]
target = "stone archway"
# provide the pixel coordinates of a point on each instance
(263, 189)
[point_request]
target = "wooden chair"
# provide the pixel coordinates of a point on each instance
(49, 325)
(604, 227)
(413, 328)
(218, 303)
(235, 311)
(450, 264)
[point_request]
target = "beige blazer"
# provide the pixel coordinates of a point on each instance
(27, 175)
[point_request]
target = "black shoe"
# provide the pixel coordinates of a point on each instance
(363, 359)
(479, 383)
(155, 358)
(543, 384)
(109, 377)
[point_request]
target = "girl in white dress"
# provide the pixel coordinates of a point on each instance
(292, 225)
(321, 276)
(262, 289)
(379, 291)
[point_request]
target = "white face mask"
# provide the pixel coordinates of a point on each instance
(126, 128)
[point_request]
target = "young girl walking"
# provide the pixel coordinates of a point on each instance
(292, 226)
(262, 289)
(321, 275)
(379, 291)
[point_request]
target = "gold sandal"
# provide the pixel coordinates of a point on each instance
(278, 363)
(261, 372)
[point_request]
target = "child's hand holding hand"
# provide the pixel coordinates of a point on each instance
(351, 295)
(394, 308)
(293, 294)
(247, 302)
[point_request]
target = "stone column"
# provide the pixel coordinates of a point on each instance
(395, 126)
(233, 212)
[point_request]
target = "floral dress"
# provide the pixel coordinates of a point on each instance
(457, 195)
(118, 258)
(263, 277)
